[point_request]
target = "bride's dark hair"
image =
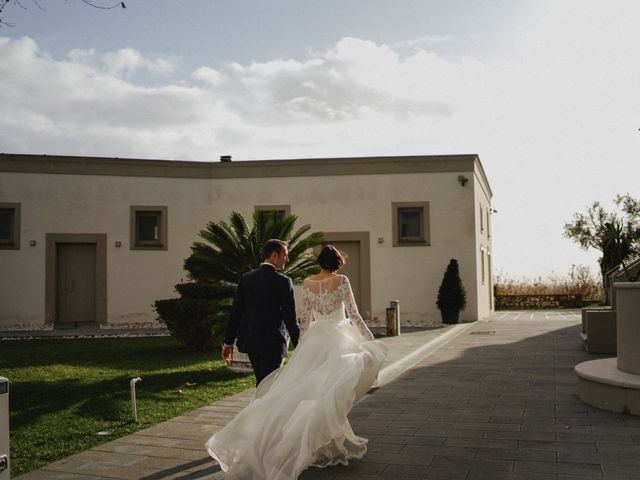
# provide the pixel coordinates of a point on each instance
(331, 258)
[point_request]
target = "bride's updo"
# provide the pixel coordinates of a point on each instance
(331, 259)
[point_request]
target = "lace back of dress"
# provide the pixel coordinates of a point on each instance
(330, 297)
(323, 287)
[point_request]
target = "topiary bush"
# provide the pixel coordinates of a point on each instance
(198, 319)
(206, 290)
(452, 296)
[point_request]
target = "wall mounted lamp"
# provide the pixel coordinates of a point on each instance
(463, 180)
(32, 243)
(118, 243)
(493, 210)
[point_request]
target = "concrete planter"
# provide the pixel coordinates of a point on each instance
(614, 383)
(628, 326)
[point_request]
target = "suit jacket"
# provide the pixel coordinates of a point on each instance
(263, 305)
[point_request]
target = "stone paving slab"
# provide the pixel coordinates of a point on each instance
(495, 401)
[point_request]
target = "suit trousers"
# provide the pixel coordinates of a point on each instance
(264, 363)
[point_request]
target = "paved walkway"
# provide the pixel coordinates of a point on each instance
(492, 400)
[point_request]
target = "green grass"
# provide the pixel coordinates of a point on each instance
(64, 391)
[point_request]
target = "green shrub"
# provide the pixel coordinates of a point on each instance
(451, 295)
(206, 290)
(196, 323)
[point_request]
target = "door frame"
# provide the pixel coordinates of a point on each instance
(51, 272)
(365, 265)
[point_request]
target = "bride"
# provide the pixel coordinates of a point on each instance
(298, 416)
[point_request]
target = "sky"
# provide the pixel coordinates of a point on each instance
(547, 93)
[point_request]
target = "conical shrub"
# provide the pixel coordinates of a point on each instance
(452, 296)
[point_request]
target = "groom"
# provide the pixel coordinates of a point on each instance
(262, 307)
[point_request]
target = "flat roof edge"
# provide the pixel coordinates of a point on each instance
(113, 166)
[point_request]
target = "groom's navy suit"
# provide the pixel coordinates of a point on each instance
(262, 307)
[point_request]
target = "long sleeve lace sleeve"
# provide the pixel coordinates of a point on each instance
(305, 316)
(352, 310)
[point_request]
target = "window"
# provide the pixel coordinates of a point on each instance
(149, 228)
(281, 211)
(9, 226)
(410, 224)
(489, 222)
(481, 220)
(482, 265)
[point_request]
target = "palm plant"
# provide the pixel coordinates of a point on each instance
(197, 319)
(233, 249)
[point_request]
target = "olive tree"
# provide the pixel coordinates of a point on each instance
(615, 234)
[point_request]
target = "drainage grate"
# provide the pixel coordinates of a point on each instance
(487, 332)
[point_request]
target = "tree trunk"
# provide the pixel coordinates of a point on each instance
(605, 284)
(450, 316)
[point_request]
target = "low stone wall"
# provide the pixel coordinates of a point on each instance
(536, 302)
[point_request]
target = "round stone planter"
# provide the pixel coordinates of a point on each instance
(628, 326)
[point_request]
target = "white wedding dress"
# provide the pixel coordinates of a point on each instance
(298, 416)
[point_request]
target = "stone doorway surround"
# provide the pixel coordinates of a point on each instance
(51, 272)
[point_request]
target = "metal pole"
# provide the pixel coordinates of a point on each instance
(391, 322)
(4, 429)
(134, 408)
(396, 305)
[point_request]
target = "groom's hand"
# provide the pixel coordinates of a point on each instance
(227, 353)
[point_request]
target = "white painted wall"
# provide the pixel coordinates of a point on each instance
(484, 285)
(53, 203)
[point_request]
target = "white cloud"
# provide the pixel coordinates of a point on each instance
(333, 86)
(80, 105)
(88, 102)
(127, 61)
(82, 55)
(121, 63)
(424, 42)
(208, 75)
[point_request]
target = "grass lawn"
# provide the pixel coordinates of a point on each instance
(64, 391)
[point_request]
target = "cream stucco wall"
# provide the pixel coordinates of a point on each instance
(98, 204)
(62, 203)
(364, 203)
(484, 281)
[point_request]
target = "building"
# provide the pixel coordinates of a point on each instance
(86, 239)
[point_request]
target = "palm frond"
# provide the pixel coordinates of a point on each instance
(298, 233)
(230, 249)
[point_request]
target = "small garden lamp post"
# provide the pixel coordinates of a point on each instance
(134, 408)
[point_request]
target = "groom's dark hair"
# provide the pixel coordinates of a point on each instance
(271, 246)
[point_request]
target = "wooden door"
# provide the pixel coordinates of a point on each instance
(76, 283)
